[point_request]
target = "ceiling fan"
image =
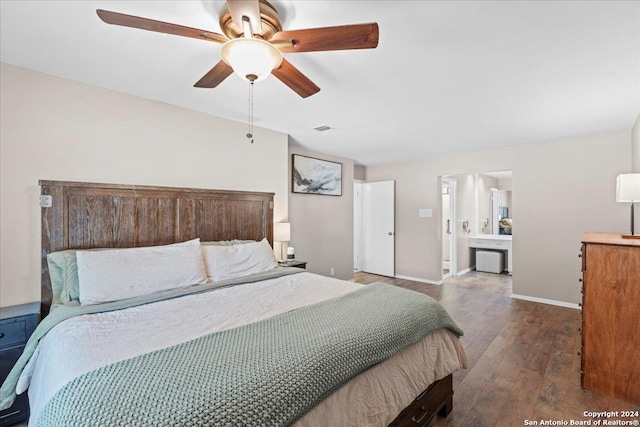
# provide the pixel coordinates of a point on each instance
(253, 42)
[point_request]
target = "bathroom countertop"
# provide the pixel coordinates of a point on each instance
(491, 236)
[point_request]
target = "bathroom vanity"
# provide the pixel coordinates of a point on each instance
(496, 242)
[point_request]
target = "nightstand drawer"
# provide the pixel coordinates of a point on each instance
(8, 357)
(17, 412)
(20, 408)
(17, 323)
(295, 263)
(12, 332)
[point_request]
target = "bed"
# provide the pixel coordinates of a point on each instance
(117, 345)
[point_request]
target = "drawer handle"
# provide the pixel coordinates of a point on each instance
(1, 334)
(422, 417)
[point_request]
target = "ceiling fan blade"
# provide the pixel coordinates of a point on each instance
(215, 76)
(359, 36)
(248, 8)
(292, 77)
(116, 18)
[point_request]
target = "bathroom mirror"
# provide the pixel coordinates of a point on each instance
(494, 202)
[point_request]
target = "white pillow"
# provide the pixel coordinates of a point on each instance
(112, 275)
(227, 262)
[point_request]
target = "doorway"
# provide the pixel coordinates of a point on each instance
(377, 251)
(448, 191)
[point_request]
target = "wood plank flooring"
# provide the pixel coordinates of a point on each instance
(524, 361)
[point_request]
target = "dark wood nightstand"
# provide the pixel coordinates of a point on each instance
(296, 263)
(17, 323)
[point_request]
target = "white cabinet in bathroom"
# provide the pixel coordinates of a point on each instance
(496, 242)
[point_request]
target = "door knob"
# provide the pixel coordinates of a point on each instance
(391, 233)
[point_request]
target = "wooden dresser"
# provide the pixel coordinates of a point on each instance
(611, 315)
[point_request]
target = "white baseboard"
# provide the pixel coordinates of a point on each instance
(418, 279)
(546, 301)
(465, 271)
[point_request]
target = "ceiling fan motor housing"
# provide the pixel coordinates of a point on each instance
(269, 17)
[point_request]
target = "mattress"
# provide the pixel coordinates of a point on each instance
(84, 343)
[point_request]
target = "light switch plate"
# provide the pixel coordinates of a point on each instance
(426, 213)
(46, 201)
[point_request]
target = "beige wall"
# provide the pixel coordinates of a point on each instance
(52, 128)
(560, 190)
(504, 184)
(359, 172)
(635, 146)
(322, 226)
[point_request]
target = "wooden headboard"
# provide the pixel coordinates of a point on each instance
(89, 215)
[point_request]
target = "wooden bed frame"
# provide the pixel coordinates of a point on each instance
(90, 215)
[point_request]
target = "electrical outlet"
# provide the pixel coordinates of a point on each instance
(46, 201)
(333, 271)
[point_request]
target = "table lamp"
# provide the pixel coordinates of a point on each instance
(282, 234)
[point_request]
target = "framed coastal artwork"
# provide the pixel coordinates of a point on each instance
(314, 176)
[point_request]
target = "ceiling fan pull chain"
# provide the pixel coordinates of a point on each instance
(250, 134)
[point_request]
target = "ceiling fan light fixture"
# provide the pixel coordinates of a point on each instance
(251, 57)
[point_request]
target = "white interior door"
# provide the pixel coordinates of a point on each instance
(357, 226)
(447, 224)
(378, 228)
(449, 265)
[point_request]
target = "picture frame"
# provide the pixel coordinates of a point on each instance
(315, 176)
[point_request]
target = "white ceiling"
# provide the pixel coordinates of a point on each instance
(446, 77)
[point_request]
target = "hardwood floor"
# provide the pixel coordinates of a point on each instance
(524, 361)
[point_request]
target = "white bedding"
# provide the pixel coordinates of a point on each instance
(84, 343)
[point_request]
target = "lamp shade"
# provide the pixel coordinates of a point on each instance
(282, 232)
(251, 57)
(628, 187)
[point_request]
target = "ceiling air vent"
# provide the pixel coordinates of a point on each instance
(323, 128)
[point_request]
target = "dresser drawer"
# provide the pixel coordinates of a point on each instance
(489, 243)
(478, 243)
(499, 244)
(425, 407)
(12, 332)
